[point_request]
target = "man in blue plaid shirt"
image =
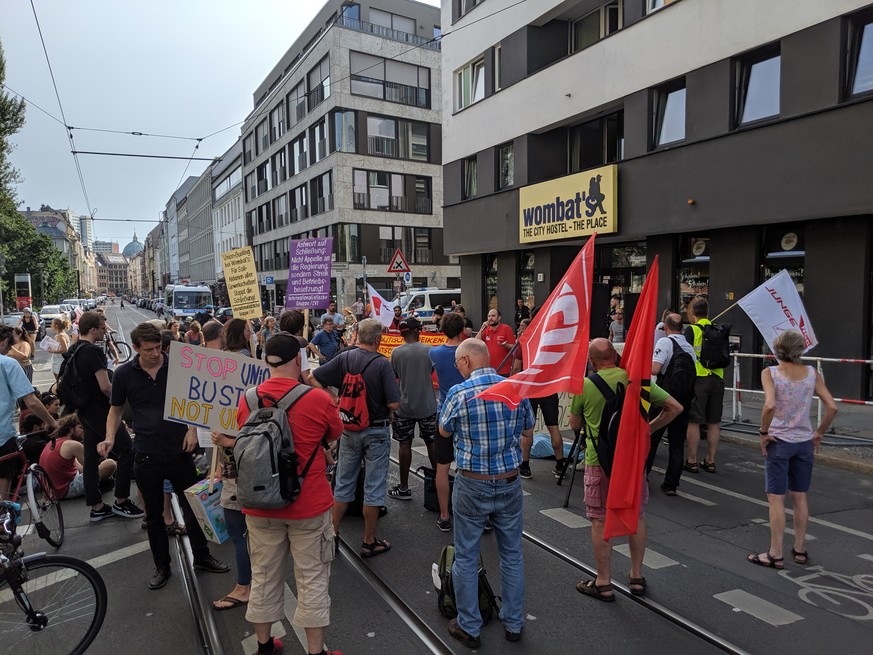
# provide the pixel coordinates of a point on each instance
(486, 437)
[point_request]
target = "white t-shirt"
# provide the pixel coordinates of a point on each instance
(664, 350)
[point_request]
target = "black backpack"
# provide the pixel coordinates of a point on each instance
(680, 376)
(71, 388)
(715, 349)
(488, 603)
(607, 433)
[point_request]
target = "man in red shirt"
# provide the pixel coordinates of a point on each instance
(499, 339)
(304, 527)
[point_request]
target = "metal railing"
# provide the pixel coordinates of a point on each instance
(388, 33)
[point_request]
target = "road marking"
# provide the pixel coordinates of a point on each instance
(763, 503)
(766, 523)
(758, 607)
(290, 607)
(566, 517)
(421, 450)
(652, 560)
(866, 556)
(250, 643)
(696, 499)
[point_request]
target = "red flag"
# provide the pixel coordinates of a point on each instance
(633, 442)
(555, 344)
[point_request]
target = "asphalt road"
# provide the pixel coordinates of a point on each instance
(695, 567)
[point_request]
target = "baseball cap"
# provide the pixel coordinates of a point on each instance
(209, 307)
(281, 348)
(409, 324)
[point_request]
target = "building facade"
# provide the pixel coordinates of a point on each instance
(113, 274)
(345, 142)
(200, 241)
(228, 218)
(719, 128)
(106, 246)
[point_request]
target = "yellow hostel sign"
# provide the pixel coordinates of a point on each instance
(570, 207)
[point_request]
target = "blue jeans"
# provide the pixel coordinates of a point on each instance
(373, 446)
(473, 501)
(236, 528)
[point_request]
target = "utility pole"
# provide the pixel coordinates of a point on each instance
(366, 288)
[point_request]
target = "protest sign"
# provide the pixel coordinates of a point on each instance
(204, 386)
(242, 282)
(309, 270)
(390, 341)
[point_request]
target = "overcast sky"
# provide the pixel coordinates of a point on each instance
(178, 67)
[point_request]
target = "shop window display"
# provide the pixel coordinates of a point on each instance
(693, 272)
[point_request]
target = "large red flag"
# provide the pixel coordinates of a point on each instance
(555, 344)
(633, 442)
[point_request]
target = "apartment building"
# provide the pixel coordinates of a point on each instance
(729, 137)
(228, 218)
(345, 142)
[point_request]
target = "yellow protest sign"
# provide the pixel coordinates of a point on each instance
(390, 341)
(242, 282)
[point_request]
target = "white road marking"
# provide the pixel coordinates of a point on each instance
(652, 560)
(421, 450)
(758, 607)
(290, 607)
(696, 499)
(866, 556)
(766, 523)
(566, 517)
(250, 643)
(763, 503)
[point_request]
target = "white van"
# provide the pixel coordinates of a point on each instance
(422, 300)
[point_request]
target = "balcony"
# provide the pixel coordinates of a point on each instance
(302, 161)
(382, 146)
(407, 95)
(423, 256)
(298, 213)
(299, 111)
(388, 33)
(324, 204)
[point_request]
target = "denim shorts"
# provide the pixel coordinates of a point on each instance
(373, 447)
(77, 486)
(788, 466)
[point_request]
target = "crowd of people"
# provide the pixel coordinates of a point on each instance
(120, 436)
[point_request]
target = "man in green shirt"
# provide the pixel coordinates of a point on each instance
(590, 405)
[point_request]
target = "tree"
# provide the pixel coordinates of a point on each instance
(11, 121)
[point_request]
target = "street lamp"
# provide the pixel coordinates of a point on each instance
(41, 268)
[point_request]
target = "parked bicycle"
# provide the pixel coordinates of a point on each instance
(42, 500)
(48, 603)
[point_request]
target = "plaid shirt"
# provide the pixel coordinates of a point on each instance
(486, 432)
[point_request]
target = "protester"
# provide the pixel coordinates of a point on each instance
(30, 325)
(213, 335)
(358, 309)
(372, 444)
(21, 351)
(268, 329)
(292, 321)
(238, 336)
(63, 460)
(436, 319)
(60, 327)
(326, 343)
(468, 324)
(349, 318)
(193, 336)
(588, 408)
(499, 339)
(522, 312)
(333, 315)
(163, 449)
(173, 326)
(395, 321)
(616, 327)
(302, 528)
(486, 436)
(789, 444)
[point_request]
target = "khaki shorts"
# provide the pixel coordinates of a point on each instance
(310, 543)
(596, 489)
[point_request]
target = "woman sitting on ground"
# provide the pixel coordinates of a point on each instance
(63, 460)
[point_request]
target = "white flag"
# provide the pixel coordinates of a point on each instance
(383, 310)
(775, 306)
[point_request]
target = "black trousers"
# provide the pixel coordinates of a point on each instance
(151, 471)
(676, 443)
(95, 432)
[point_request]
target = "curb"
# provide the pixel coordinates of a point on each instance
(837, 461)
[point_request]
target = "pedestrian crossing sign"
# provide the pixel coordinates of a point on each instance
(398, 263)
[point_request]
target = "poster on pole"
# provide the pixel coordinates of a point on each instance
(204, 386)
(309, 270)
(242, 282)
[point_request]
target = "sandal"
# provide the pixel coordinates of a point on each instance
(591, 588)
(771, 562)
(637, 585)
(709, 467)
(378, 547)
(231, 603)
(175, 529)
(691, 467)
(801, 558)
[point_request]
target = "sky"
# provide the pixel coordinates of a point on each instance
(173, 67)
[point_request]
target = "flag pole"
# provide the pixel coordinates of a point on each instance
(725, 311)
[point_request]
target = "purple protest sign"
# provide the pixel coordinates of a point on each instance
(309, 273)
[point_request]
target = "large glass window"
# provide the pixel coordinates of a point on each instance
(593, 27)
(526, 278)
(322, 193)
(248, 147)
(277, 121)
(382, 136)
(399, 139)
(262, 136)
(693, 272)
(280, 210)
(298, 210)
(319, 140)
(597, 142)
(505, 166)
(490, 274)
(296, 102)
(345, 131)
(319, 82)
(860, 66)
(394, 192)
(470, 183)
(251, 187)
(670, 113)
(758, 88)
(470, 84)
(299, 153)
(785, 248)
(391, 80)
(347, 242)
(391, 21)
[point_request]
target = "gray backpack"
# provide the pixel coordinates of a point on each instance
(266, 463)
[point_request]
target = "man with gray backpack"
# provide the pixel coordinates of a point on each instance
(283, 426)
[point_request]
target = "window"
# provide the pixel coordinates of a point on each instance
(393, 192)
(297, 199)
(322, 194)
(470, 184)
(345, 138)
(470, 84)
(593, 27)
(262, 137)
(382, 136)
(264, 177)
(299, 153)
(352, 11)
(319, 82)
(391, 21)
(277, 121)
(860, 66)
(505, 166)
(468, 5)
(497, 55)
(248, 147)
(397, 138)
(227, 184)
(390, 80)
(654, 5)
(296, 102)
(597, 142)
(758, 88)
(318, 138)
(346, 242)
(280, 167)
(670, 113)
(280, 210)
(251, 187)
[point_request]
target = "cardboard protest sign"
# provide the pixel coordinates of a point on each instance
(390, 341)
(204, 386)
(242, 282)
(309, 269)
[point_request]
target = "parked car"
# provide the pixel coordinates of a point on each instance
(49, 313)
(224, 314)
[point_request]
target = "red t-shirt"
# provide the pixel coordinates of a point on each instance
(312, 418)
(60, 471)
(493, 336)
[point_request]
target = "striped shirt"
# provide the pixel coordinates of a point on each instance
(486, 433)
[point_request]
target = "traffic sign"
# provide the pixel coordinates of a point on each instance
(398, 263)
(407, 277)
(269, 280)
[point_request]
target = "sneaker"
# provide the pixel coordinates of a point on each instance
(128, 510)
(159, 579)
(524, 470)
(98, 515)
(558, 471)
(458, 633)
(209, 563)
(670, 491)
(444, 524)
(400, 494)
(512, 636)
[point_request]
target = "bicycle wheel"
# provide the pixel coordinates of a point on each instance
(67, 599)
(124, 351)
(45, 508)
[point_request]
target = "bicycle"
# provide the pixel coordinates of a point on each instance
(123, 350)
(854, 599)
(42, 499)
(48, 603)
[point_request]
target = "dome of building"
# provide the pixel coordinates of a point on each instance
(132, 248)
